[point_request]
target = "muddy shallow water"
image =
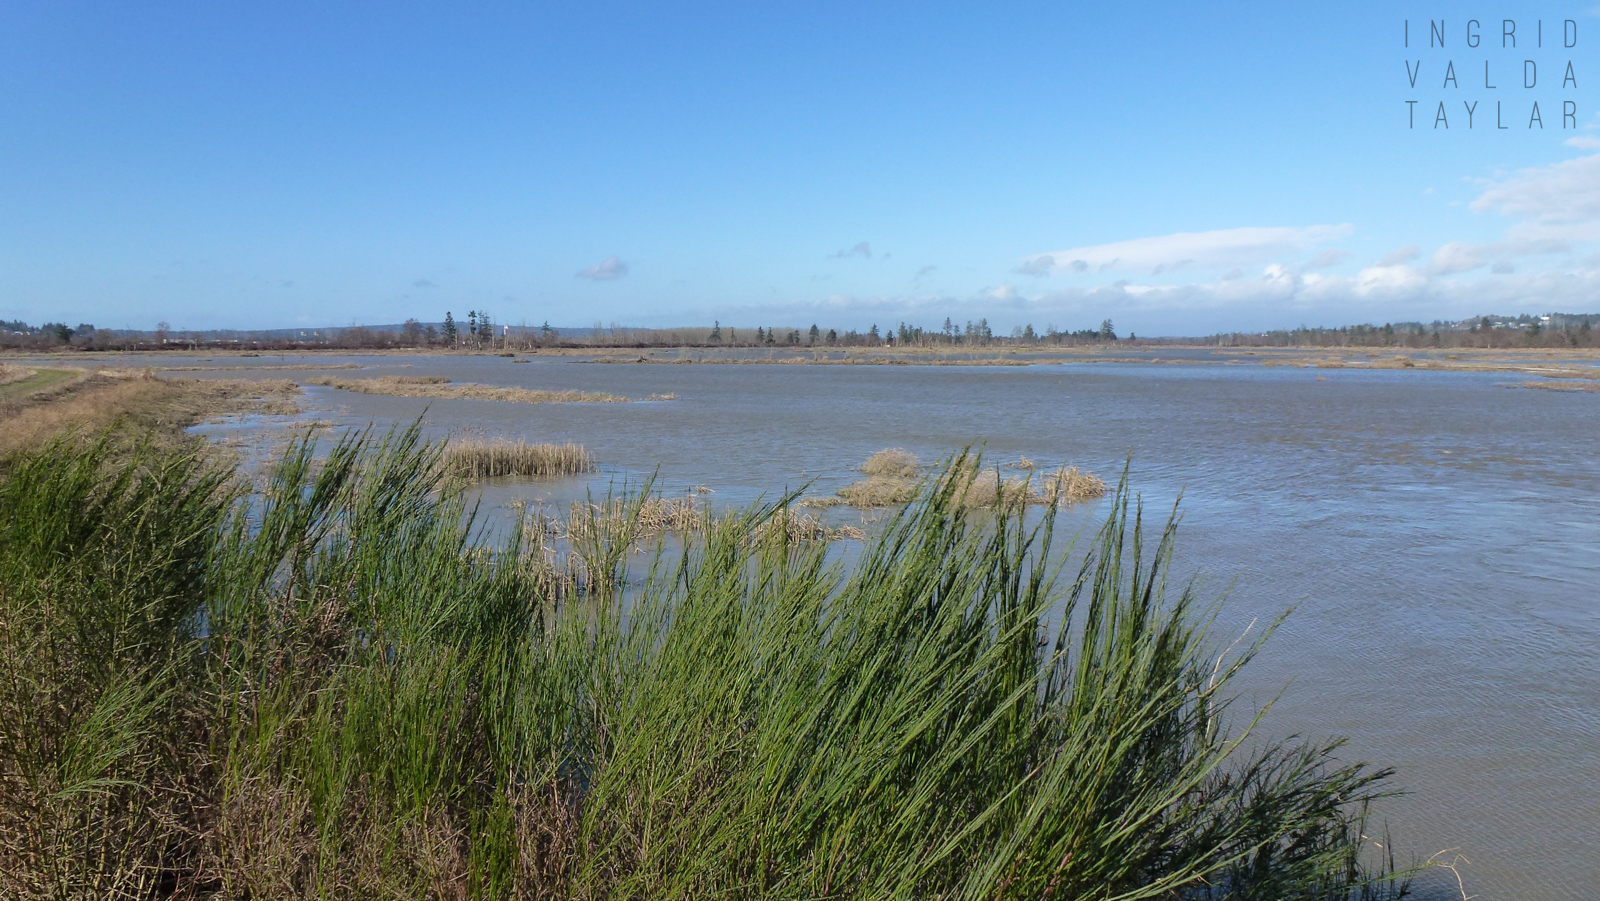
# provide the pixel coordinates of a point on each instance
(1440, 534)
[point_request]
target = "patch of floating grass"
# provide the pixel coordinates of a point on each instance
(892, 481)
(477, 459)
(646, 515)
(440, 387)
(892, 463)
(878, 491)
(1585, 387)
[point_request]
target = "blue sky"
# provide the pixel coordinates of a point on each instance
(1179, 168)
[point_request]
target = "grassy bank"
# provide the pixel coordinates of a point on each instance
(134, 401)
(341, 689)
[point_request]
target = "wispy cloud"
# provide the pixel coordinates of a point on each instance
(1038, 267)
(925, 270)
(606, 270)
(863, 250)
(1402, 255)
(1561, 193)
(1324, 259)
(1223, 248)
(422, 283)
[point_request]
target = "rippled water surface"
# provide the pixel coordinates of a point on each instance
(1440, 534)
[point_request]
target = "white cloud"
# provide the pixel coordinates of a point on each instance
(1458, 257)
(1331, 256)
(1403, 255)
(1561, 193)
(606, 270)
(1038, 267)
(1223, 248)
(862, 249)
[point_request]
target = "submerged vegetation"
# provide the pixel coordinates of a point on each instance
(477, 459)
(341, 687)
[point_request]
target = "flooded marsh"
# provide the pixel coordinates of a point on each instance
(1437, 535)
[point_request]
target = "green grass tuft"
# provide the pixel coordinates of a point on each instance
(343, 688)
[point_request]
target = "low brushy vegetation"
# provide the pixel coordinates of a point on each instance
(340, 688)
(474, 460)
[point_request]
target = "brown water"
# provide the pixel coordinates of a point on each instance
(1439, 533)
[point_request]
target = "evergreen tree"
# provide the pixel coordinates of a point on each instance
(449, 328)
(815, 334)
(716, 331)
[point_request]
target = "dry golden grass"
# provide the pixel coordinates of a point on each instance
(11, 373)
(892, 463)
(892, 480)
(439, 387)
(985, 489)
(633, 519)
(823, 502)
(797, 526)
(139, 402)
(1561, 386)
(473, 460)
(878, 491)
(1069, 484)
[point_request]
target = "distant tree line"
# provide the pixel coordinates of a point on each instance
(1553, 330)
(481, 331)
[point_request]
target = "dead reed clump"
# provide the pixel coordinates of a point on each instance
(1069, 485)
(982, 489)
(891, 480)
(985, 489)
(473, 460)
(878, 491)
(434, 387)
(632, 518)
(822, 503)
(892, 463)
(796, 527)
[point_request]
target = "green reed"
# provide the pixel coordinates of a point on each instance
(341, 686)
